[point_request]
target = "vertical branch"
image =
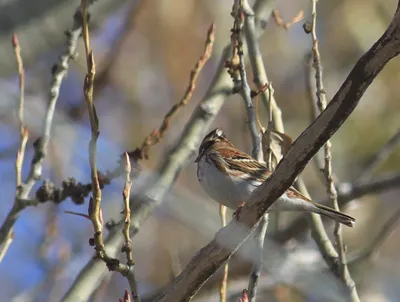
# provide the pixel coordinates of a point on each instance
(237, 70)
(224, 281)
(327, 170)
(261, 80)
(95, 201)
(157, 134)
(255, 274)
(22, 129)
(269, 131)
(23, 132)
(125, 195)
(258, 67)
(127, 247)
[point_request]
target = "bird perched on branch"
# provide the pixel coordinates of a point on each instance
(229, 176)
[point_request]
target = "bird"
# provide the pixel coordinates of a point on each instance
(229, 176)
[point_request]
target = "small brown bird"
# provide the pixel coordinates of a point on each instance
(229, 176)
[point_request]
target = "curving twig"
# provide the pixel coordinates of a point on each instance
(286, 25)
(95, 201)
(237, 70)
(157, 134)
(327, 169)
(23, 132)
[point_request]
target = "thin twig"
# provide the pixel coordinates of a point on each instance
(261, 80)
(318, 231)
(258, 67)
(59, 71)
(327, 170)
(23, 130)
(9, 234)
(237, 69)
(126, 195)
(157, 134)
(379, 157)
(127, 247)
(287, 25)
(309, 79)
(224, 281)
(240, 78)
(259, 237)
(274, 122)
(95, 201)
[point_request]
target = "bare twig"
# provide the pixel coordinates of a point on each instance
(287, 25)
(125, 195)
(311, 95)
(157, 134)
(259, 237)
(23, 130)
(241, 83)
(127, 247)
(9, 236)
(59, 71)
(212, 256)
(379, 157)
(224, 281)
(258, 67)
(95, 201)
(327, 170)
(237, 69)
(261, 80)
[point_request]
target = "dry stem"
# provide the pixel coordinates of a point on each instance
(327, 170)
(287, 25)
(23, 130)
(157, 134)
(237, 69)
(95, 201)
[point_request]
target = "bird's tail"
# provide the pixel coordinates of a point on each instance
(335, 215)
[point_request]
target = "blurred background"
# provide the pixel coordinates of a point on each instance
(144, 52)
